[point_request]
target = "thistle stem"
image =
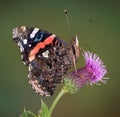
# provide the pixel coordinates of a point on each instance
(61, 93)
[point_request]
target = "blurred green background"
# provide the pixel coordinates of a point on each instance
(103, 36)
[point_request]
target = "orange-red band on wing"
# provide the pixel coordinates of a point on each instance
(39, 46)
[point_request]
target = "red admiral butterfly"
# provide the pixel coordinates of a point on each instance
(47, 57)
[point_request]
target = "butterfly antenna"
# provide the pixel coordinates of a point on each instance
(67, 21)
(89, 22)
(69, 28)
(84, 47)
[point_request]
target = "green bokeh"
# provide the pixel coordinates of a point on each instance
(103, 37)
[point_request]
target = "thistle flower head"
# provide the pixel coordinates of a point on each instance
(93, 71)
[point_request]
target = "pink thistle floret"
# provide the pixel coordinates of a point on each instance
(95, 66)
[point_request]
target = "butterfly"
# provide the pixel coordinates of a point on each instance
(47, 57)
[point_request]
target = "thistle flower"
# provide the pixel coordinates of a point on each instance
(93, 71)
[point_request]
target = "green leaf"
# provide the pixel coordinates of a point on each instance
(26, 113)
(44, 110)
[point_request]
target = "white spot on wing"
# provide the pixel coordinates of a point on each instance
(25, 41)
(32, 35)
(15, 32)
(39, 56)
(23, 28)
(45, 54)
(21, 56)
(21, 47)
(29, 45)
